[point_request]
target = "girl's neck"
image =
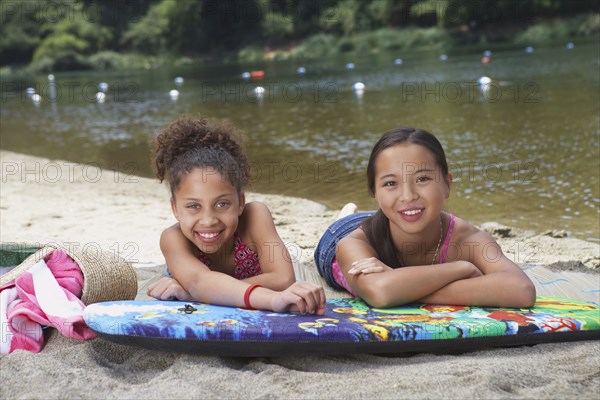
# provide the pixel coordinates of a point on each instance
(423, 247)
(221, 257)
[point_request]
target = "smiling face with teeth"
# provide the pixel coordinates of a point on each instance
(410, 189)
(208, 208)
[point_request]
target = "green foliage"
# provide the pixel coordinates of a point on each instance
(558, 8)
(225, 26)
(480, 14)
(151, 33)
(17, 44)
(348, 17)
(544, 33)
(195, 26)
(109, 59)
(61, 51)
(431, 37)
(16, 75)
(319, 45)
(380, 11)
(386, 39)
(277, 26)
(399, 39)
(18, 33)
(554, 30)
(68, 41)
(49, 64)
(251, 54)
(146, 33)
(106, 60)
(428, 10)
(590, 25)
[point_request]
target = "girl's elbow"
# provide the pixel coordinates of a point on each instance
(527, 294)
(378, 296)
(524, 296)
(376, 301)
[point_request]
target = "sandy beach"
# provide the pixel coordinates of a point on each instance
(61, 202)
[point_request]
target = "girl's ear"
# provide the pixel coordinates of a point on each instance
(242, 203)
(174, 209)
(449, 183)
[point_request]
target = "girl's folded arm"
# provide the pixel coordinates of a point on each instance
(275, 261)
(196, 278)
(218, 288)
(394, 286)
(503, 283)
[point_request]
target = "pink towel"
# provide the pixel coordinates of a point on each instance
(46, 295)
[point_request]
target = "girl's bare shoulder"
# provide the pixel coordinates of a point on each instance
(256, 223)
(172, 240)
(254, 213)
(356, 236)
(467, 234)
(256, 208)
(172, 232)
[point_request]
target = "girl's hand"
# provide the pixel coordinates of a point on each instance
(168, 289)
(368, 266)
(301, 296)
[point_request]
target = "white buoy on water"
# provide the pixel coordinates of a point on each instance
(103, 86)
(398, 61)
(487, 53)
(259, 91)
(359, 90)
(246, 75)
(52, 89)
(570, 45)
(178, 81)
(100, 97)
(30, 91)
(528, 49)
(174, 94)
(358, 87)
(301, 70)
(484, 82)
(350, 66)
(37, 99)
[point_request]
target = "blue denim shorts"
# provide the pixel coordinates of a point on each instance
(325, 251)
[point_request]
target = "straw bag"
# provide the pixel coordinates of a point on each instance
(106, 276)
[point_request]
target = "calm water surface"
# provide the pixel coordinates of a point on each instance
(525, 152)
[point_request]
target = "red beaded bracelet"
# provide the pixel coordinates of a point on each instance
(247, 296)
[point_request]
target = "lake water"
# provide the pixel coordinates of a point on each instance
(524, 152)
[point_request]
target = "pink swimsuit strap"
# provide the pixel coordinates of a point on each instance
(447, 239)
(246, 262)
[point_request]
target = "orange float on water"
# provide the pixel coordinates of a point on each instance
(486, 60)
(257, 74)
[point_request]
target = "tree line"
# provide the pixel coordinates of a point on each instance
(67, 34)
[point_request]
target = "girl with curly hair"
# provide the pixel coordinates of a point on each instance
(222, 250)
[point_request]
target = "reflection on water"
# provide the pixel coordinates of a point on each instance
(524, 149)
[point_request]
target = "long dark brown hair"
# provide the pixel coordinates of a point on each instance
(377, 227)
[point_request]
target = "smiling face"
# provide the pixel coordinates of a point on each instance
(208, 208)
(410, 188)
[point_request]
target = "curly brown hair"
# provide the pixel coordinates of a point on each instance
(197, 142)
